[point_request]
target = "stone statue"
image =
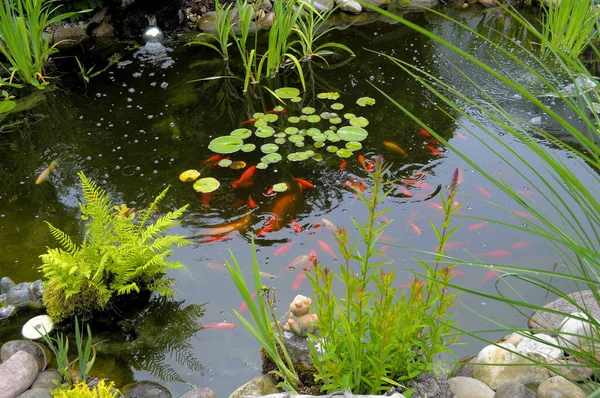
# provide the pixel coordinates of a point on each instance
(13, 296)
(300, 320)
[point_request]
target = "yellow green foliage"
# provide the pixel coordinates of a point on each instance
(81, 390)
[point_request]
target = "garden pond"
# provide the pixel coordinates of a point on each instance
(134, 128)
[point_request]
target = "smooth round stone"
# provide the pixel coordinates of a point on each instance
(203, 392)
(46, 380)
(38, 393)
(467, 387)
(576, 334)
(145, 389)
(153, 34)
(37, 326)
(17, 374)
(512, 389)
(539, 347)
(35, 350)
(559, 387)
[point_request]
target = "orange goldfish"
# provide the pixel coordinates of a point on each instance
(326, 248)
(415, 227)
(434, 205)
(267, 228)
(394, 147)
(296, 226)
(362, 161)
(275, 112)
(343, 165)
(304, 183)
(484, 192)
(298, 261)
(206, 198)
(521, 214)
(251, 203)
(243, 306)
(216, 239)
(450, 245)
(212, 159)
(246, 176)
(461, 136)
(476, 226)
(424, 132)
(298, 280)
(219, 267)
(433, 150)
(236, 225)
(521, 244)
(490, 275)
(405, 191)
(219, 325)
(46, 173)
(496, 253)
(457, 272)
(284, 248)
(280, 208)
(249, 121)
(355, 184)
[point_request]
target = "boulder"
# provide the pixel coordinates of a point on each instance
(266, 21)
(545, 320)
(145, 389)
(488, 3)
(349, 6)
(203, 392)
(375, 3)
(17, 374)
(206, 21)
(298, 349)
(575, 334)
(46, 380)
(261, 385)
(464, 367)
(428, 386)
(559, 387)
(534, 345)
(38, 393)
(36, 351)
(513, 338)
(512, 389)
(323, 5)
(467, 387)
(68, 36)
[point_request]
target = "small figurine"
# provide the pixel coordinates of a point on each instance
(300, 321)
(13, 296)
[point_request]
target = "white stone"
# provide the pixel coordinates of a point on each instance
(574, 333)
(539, 347)
(559, 387)
(37, 327)
(467, 387)
(17, 374)
(349, 6)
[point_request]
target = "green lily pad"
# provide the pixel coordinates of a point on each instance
(303, 117)
(364, 101)
(319, 144)
(279, 135)
(206, 185)
(310, 153)
(279, 141)
(319, 137)
(337, 106)
(269, 148)
(262, 166)
(359, 122)
(296, 138)
(287, 92)
(297, 156)
(334, 128)
(260, 123)
(349, 116)
(264, 132)
(312, 131)
(241, 133)
(225, 163)
(278, 108)
(299, 144)
(318, 157)
(313, 119)
(325, 115)
(248, 147)
(296, 99)
(353, 145)
(270, 118)
(352, 133)
(271, 158)
(189, 175)
(281, 187)
(331, 95)
(293, 119)
(226, 144)
(332, 148)
(291, 130)
(344, 153)
(258, 115)
(335, 120)
(308, 110)
(333, 138)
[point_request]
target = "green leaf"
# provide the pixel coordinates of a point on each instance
(7, 106)
(226, 144)
(365, 101)
(287, 92)
(352, 133)
(206, 185)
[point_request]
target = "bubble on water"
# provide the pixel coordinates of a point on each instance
(88, 158)
(98, 124)
(164, 85)
(117, 167)
(138, 168)
(129, 99)
(136, 74)
(483, 303)
(131, 90)
(154, 171)
(153, 84)
(150, 116)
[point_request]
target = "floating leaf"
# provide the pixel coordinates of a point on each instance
(241, 133)
(297, 156)
(279, 141)
(293, 119)
(206, 185)
(248, 147)
(319, 137)
(313, 119)
(359, 122)
(299, 144)
(329, 132)
(291, 130)
(333, 138)
(296, 99)
(344, 153)
(269, 148)
(308, 110)
(262, 166)
(270, 118)
(258, 115)
(337, 106)
(332, 148)
(264, 132)
(225, 163)
(278, 108)
(271, 158)
(334, 128)
(335, 120)
(312, 131)
(281, 187)
(226, 144)
(296, 138)
(189, 175)
(260, 123)
(310, 153)
(364, 101)
(349, 116)
(318, 157)
(280, 135)
(238, 164)
(353, 145)
(287, 92)
(352, 133)
(303, 117)
(331, 95)
(325, 115)
(319, 144)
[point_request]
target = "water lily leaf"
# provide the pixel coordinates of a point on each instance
(265, 132)
(312, 131)
(349, 116)
(248, 147)
(271, 158)
(226, 144)
(238, 164)
(310, 153)
(297, 156)
(344, 153)
(329, 132)
(296, 138)
(337, 106)
(299, 144)
(241, 133)
(308, 110)
(353, 145)
(359, 122)
(313, 119)
(207, 184)
(260, 123)
(334, 128)
(332, 148)
(270, 118)
(333, 138)
(262, 166)
(258, 115)
(281, 187)
(303, 117)
(335, 120)
(319, 137)
(189, 175)
(225, 163)
(279, 135)
(318, 157)
(352, 133)
(325, 115)
(319, 144)
(364, 101)
(287, 92)
(331, 95)
(296, 99)
(333, 114)
(278, 108)
(279, 141)
(291, 130)
(269, 148)
(293, 119)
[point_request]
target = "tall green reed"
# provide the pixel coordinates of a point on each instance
(222, 26)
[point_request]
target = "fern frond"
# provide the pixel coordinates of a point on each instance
(98, 208)
(164, 242)
(145, 214)
(63, 239)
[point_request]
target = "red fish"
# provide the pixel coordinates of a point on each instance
(424, 132)
(405, 191)
(388, 239)
(280, 208)
(219, 325)
(384, 218)
(409, 284)
(451, 245)
(298, 280)
(521, 214)
(212, 159)
(236, 225)
(413, 215)
(249, 121)
(457, 272)
(363, 162)
(296, 226)
(284, 248)
(527, 192)
(521, 244)
(394, 147)
(461, 136)
(270, 192)
(484, 192)
(326, 248)
(275, 112)
(244, 306)
(267, 228)
(384, 248)
(303, 182)
(355, 184)
(206, 198)
(433, 150)
(415, 228)
(433, 141)
(251, 203)
(246, 176)
(298, 261)
(246, 184)
(490, 275)
(476, 226)
(343, 165)
(496, 253)
(219, 267)
(435, 205)
(216, 239)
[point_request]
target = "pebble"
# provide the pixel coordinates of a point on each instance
(467, 387)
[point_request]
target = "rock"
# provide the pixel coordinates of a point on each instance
(69, 36)
(298, 349)
(429, 386)
(467, 387)
(38, 393)
(513, 389)
(17, 374)
(349, 6)
(323, 5)
(266, 21)
(45, 380)
(495, 376)
(375, 3)
(203, 392)
(575, 334)
(545, 320)
(464, 367)
(206, 22)
(261, 385)
(145, 389)
(488, 3)
(513, 338)
(36, 351)
(534, 345)
(559, 387)
(104, 29)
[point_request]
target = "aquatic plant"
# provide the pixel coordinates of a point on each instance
(82, 390)
(222, 26)
(121, 252)
(22, 24)
(371, 321)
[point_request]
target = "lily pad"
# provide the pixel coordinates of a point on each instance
(312, 131)
(352, 133)
(319, 137)
(349, 116)
(293, 119)
(189, 175)
(279, 135)
(271, 158)
(325, 115)
(297, 156)
(310, 153)
(337, 106)
(279, 141)
(270, 118)
(262, 166)
(364, 101)
(269, 148)
(207, 184)
(264, 132)
(313, 119)
(309, 110)
(318, 157)
(329, 132)
(344, 153)
(319, 144)
(226, 144)
(353, 145)
(258, 115)
(296, 99)
(225, 163)
(238, 164)
(260, 123)
(278, 108)
(291, 130)
(299, 144)
(359, 122)
(331, 95)
(303, 117)
(248, 147)
(333, 138)
(287, 92)
(281, 187)
(335, 120)
(296, 138)
(241, 133)
(332, 148)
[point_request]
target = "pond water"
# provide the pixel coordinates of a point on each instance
(136, 127)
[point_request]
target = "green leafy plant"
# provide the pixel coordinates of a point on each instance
(82, 390)
(22, 23)
(222, 26)
(121, 252)
(59, 346)
(371, 321)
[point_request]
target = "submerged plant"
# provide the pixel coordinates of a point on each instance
(122, 252)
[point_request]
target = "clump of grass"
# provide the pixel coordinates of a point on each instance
(222, 26)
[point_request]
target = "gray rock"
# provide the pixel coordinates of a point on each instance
(46, 379)
(203, 392)
(38, 393)
(105, 29)
(541, 344)
(12, 347)
(261, 385)
(67, 36)
(145, 389)
(546, 320)
(349, 6)
(298, 349)
(513, 338)
(266, 21)
(464, 367)
(323, 5)
(17, 374)
(559, 387)
(375, 3)
(513, 389)
(467, 387)
(206, 22)
(429, 386)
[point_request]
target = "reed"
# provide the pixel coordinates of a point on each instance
(222, 26)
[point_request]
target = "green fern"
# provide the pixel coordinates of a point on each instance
(120, 254)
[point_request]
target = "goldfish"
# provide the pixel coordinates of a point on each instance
(435, 205)
(490, 275)
(433, 141)
(415, 227)
(450, 245)
(384, 218)
(298, 261)
(384, 248)
(329, 224)
(298, 280)
(296, 226)
(251, 203)
(394, 147)
(216, 239)
(280, 207)
(243, 306)
(362, 161)
(219, 267)
(409, 284)
(236, 225)
(270, 192)
(46, 173)
(343, 164)
(521, 244)
(527, 192)
(413, 215)
(461, 136)
(206, 198)
(417, 183)
(219, 325)
(484, 192)
(457, 272)
(496, 253)
(326, 248)
(267, 275)
(246, 184)
(433, 150)
(476, 226)
(405, 191)
(249, 121)
(284, 248)
(246, 176)
(267, 228)
(212, 159)
(275, 112)
(424, 132)
(355, 184)
(304, 183)
(521, 214)
(388, 239)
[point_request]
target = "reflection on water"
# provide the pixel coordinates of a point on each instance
(139, 125)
